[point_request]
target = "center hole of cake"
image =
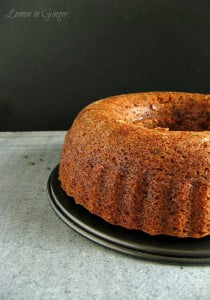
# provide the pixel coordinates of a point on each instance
(189, 117)
(182, 121)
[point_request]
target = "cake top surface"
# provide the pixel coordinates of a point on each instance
(171, 111)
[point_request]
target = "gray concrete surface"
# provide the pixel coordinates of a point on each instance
(42, 258)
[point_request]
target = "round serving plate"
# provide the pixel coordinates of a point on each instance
(133, 242)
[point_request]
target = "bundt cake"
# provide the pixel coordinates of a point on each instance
(142, 161)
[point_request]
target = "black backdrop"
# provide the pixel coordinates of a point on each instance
(50, 69)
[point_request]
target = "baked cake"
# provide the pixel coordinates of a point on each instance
(142, 161)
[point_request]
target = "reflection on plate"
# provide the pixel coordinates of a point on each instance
(136, 243)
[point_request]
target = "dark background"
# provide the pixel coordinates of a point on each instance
(50, 70)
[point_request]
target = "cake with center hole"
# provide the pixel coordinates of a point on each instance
(142, 161)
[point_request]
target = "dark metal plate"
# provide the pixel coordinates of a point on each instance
(159, 248)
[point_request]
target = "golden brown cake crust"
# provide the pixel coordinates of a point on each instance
(142, 161)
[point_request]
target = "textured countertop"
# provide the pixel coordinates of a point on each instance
(42, 258)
